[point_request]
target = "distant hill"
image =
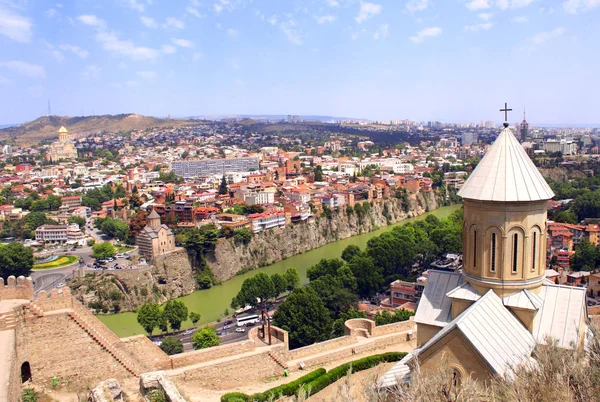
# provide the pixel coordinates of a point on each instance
(325, 119)
(46, 128)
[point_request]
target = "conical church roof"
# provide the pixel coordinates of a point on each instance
(62, 129)
(506, 174)
(153, 215)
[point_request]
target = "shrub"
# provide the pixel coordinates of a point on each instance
(235, 397)
(157, 395)
(335, 374)
(171, 345)
(29, 395)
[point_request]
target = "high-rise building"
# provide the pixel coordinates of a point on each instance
(214, 166)
(469, 138)
(524, 129)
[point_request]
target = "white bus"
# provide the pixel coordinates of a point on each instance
(241, 321)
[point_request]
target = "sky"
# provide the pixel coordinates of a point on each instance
(445, 60)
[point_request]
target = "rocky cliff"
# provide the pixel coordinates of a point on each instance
(274, 245)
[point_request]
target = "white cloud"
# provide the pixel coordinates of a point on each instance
(218, 8)
(137, 5)
(272, 20)
(4, 80)
(168, 49)
(75, 49)
(235, 65)
(382, 32)
(232, 33)
(111, 42)
(506, 4)
(479, 27)
(172, 22)
(426, 33)
(485, 16)
(194, 12)
(182, 42)
(149, 22)
(367, 11)
(24, 68)
(92, 21)
(291, 32)
(15, 26)
(541, 38)
(147, 74)
(90, 72)
(521, 19)
(325, 18)
(131, 83)
(333, 3)
(478, 4)
(417, 5)
(51, 12)
(197, 56)
(574, 6)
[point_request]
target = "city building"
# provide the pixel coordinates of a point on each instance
(63, 149)
(488, 319)
(469, 138)
(71, 201)
(214, 166)
(267, 220)
(255, 194)
(58, 233)
(524, 129)
(155, 239)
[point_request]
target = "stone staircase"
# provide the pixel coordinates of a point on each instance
(36, 310)
(8, 320)
(278, 359)
(111, 349)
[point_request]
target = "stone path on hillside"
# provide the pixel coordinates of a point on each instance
(197, 394)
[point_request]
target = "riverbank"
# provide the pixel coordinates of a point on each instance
(211, 303)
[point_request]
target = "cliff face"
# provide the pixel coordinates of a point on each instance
(274, 245)
(125, 290)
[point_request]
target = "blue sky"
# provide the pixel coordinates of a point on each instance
(447, 60)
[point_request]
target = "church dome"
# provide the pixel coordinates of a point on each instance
(62, 129)
(506, 174)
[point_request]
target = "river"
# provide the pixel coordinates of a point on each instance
(211, 303)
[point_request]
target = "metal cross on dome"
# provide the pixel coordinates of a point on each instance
(506, 110)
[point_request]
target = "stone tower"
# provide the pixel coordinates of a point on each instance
(504, 233)
(524, 129)
(63, 134)
(154, 220)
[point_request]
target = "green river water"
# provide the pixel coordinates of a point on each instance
(211, 303)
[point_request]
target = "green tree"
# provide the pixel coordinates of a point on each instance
(324, 267)
(304, 316)
(292, 279)
(223, 188)
(15, 259)
(148, 316)
(566, 217)
(163, 323)
(242, 235)
(78, 220)
(205, 337)
(171, 345)
(255, 291)
(279, 284)
(337, 328)
(334, 296)
(34, 220)
(103, 251)
(194, 317)
(318, 173)
(586, 257)
(175, 311)
(385, 317)
(349, 252)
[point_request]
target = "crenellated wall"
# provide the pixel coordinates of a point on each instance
(16, 288)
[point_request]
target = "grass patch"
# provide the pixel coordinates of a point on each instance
(123, 249)
(59, 262)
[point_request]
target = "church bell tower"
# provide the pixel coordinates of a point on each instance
(504, 233)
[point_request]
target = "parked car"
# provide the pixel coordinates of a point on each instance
(188, 332)
(226, 326)
(240, 329)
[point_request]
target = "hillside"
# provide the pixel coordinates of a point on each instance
(46, 127)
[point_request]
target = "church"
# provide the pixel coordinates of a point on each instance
(63, 149)
(155, 239)
(489, 318)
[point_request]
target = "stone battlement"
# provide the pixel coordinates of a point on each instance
(58, 299)
(16, 288)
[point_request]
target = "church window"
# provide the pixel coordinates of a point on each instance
(534, 252)
(493, 264)
(515, 252)
(475, 249)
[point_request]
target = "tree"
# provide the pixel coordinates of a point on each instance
(148, 316)
(223, 188)
(324, 267)
(15, 259)
(349, 252)
(279, 284)
(304, 316)
(566, 217)
(258, 287)
(34, 220)
(586, 257)
(205, 337)
(103, 251)
(175, 312)
(242, 235)
(78, 220)
(369, 278)
(194, 317)
(292, 279)
(171, 345)
(318, 173)
(337, 328)
(163, 323)
(385, 317)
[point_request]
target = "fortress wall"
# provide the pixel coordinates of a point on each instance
(352, 325)
(55, 345)
(395, 327)
(321, 347)
(144, 351)
(232, 373)
(16, 288)
(217, 352)
(56, 300)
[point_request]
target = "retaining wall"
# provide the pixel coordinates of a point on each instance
(217, 352)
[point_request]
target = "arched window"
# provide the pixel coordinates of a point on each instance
(25, 372)
(475, 249)
(515, 250)
(493, 253)
(534, 252)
